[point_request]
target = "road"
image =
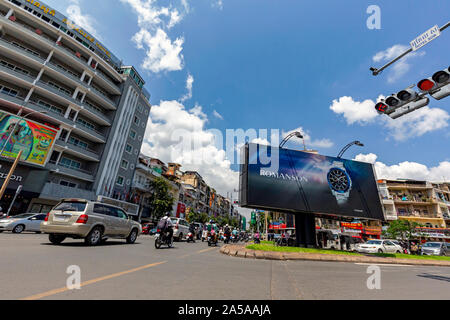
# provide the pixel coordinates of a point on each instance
(31, 268)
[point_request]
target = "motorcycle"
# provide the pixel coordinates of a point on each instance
(212, 239)
(227, 238)
(163, 239)
(190, 237)
(256, 238)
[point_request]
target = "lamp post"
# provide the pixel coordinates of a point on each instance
(354, 143)
(291, 135)
(15, 127)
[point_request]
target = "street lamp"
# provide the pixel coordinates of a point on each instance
(291, 135)
(15, 127)
(357, 143)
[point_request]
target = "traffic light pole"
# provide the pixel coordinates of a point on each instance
(376, 71)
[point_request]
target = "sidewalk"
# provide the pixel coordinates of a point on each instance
(241, 252)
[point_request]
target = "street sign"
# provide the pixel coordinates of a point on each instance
(425, 38)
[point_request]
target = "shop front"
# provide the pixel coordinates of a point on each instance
(32, 180)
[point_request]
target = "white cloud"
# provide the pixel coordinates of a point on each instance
(79, 19)
(218, 4)
(407, 170)
(401, 67)
(417, 123)
(310, 143)
(162, 53)
(414, 124)
(217, 115)
(355, 111)
(204, 156)
(189, 85)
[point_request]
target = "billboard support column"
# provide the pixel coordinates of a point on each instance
(305, 230)
(8, 178)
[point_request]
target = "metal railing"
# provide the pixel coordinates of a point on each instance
(22, 74)
(62, 165)
(102, 95)
(58, 91)
(15, 48)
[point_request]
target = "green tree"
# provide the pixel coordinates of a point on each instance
(193, 216)
(402, 229)
(162, 200)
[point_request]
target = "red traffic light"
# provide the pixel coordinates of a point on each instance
(426, 85)
(381, 107)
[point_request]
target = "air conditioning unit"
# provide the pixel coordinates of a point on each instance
(12, 18)
(39, 31)
(78, 54)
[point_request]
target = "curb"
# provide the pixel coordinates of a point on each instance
(242, 252)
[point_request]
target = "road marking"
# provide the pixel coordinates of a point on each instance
(206, 250)
(114, 275)
(384, 265)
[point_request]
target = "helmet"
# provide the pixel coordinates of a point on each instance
(211, 221)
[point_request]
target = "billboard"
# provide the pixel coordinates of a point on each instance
(35, 140)
(301, 182)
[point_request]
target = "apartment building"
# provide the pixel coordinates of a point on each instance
(424, 202)
(61, 77)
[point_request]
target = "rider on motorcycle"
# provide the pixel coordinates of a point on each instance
(166, 227)
(212, 226)
(227, 233)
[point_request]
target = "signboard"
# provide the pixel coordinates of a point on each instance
(301, 182)
(425, 38)
(35, 140)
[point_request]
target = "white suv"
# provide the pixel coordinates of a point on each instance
(379, 246)
(180, 228)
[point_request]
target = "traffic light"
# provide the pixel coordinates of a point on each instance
(402, 103)
(438, 86)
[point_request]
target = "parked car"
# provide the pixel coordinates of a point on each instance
(89, 220)
(378, 246)
(435, 249)
(23, 222)
(180, 228)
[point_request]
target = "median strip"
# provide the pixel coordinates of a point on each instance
(288, 253)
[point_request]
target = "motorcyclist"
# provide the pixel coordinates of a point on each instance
(212, 226)
(167, 229)
(227, 232)
(235, 234)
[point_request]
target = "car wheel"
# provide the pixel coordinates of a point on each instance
(38, 232)
(180, 237)
(157, 243)
(56, 239)
(398, 252)
(19, 228)
(94, 237)
(132, 237)
(380, 251)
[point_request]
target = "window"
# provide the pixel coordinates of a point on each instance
(124, 164)
(136, 120)
(71, 164)
(68, 184)
(78, 143)
(8, 91)
(133, 134)
(140, 108)
(140, 138)
(120, 180)
(85, 123)
(50, 107)
(129, 149)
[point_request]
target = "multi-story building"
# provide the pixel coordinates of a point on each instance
(420, 201)
(72, 83)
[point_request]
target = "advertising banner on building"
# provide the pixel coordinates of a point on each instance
(33, 139)
(301, 182)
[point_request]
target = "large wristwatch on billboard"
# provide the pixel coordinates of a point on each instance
(339, 181)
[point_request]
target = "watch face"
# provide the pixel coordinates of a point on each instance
(339, 180)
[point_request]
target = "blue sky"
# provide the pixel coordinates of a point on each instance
(280, 64)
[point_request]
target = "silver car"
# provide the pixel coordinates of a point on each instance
(23, 222)
(180, 228)
(435, 249)
(89, 220)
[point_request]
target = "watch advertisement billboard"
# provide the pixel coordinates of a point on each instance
(303, 182)
(35, 140)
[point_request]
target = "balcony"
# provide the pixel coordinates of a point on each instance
(102, 97)
(70, 171)
(57, 192)
(99, 117)
(50, 112)
(29, 32)
(57, 92)
(106, 82)
(93, 134)
(14, 75)
(15, 49)
(16, 100)
(70, 76)
(83, 153)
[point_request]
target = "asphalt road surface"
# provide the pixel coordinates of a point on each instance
(32, 268)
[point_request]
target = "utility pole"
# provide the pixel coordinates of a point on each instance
(11, 171)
